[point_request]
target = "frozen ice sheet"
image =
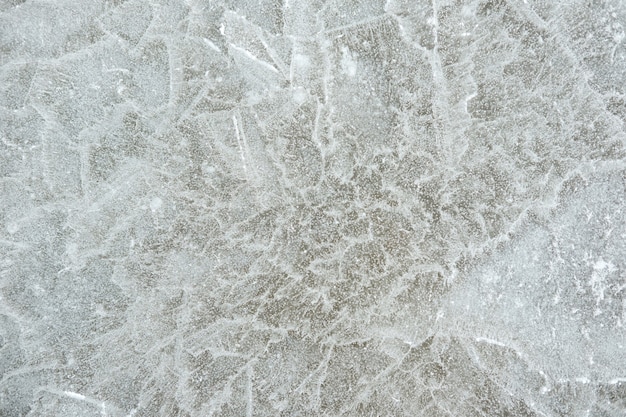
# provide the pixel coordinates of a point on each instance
(302, 208)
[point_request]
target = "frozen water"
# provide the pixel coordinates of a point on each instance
(301, 208)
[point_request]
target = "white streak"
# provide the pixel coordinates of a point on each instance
(491, 341)
(239, 143)
(75, 395)
(249, 55)
(212, 45)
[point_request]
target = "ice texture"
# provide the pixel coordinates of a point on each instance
(312, 208)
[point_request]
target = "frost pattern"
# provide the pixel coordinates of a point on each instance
(250, 208)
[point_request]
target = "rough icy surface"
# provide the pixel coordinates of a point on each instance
(312, 208)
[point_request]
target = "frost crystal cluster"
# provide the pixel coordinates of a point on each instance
(312, 208)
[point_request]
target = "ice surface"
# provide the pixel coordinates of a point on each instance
(301, 208)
